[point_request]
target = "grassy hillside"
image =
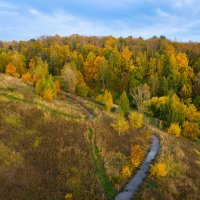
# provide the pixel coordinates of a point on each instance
(52, 148)
(43, 155)
(49, 148)
(182, 157)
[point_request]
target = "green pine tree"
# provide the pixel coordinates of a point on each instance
(124, 103)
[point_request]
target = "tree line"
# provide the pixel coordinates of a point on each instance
(158, 76)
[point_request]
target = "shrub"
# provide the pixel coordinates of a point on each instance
(68, 196)
(48, 94)
(158, 169)
(126, 172)
(26, 77)
(174, 129)
(191, 130)
(136, 119)
(137, 155)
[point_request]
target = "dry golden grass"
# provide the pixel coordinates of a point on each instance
(51, 157)
(182, 180)
(16, 87)
(44, 156)
(116, 149)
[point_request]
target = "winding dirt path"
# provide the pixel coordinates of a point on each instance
(133, 185)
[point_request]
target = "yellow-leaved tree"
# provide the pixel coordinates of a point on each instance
(158, 169)
(120, 124)
(106, 99)
(191, 130)
(174, 129)
(136, 119)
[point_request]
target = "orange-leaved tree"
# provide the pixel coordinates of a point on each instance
(137, 155)
(11, 70)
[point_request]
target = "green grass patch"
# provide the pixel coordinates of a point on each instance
(8, 88)
(13, 120)
(40, 105)
(103, 178)
(151, 184)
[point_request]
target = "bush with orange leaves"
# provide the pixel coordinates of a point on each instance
(158, 169)
(26, 77)
(126, 172)
(48, 94)
(137, 155)
(11, 70)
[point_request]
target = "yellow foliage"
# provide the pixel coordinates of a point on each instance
(57, 85)
(136, 119)
(191, 130)
(120, 124)
(11, 70)
(80, 78)
(191, 113)
(26, 77)
(126, 172)
(110, 42)
(127, 54)
(68, 196)
(156, 102)
(158, 169)
(90, 67)
(106, 98)
(137, 155)
(182, 60)
(186, 91)
(48, 94)
(174, 129)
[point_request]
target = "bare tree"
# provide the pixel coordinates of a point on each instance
(140, 94)
(69, 78)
